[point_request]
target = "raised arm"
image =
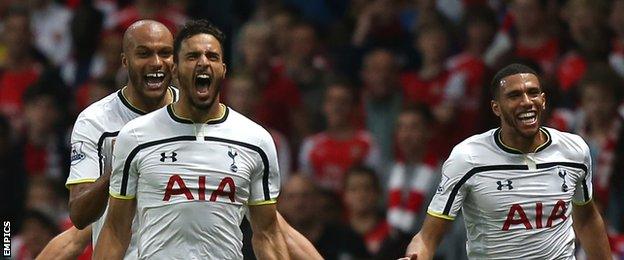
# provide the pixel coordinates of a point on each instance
(268, 238)
(424, 244)
(590, 229)
(299, 247)
(116, 232)
(67, 245)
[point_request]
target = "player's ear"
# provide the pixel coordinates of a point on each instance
(124, 60)
(495, 108)
(543, 100)
(224, 69)
(174, 70)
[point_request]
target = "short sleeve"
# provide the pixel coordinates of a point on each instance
(583, 192)
(124, 178)
(451, 191)
(84, 160)
(265, 179)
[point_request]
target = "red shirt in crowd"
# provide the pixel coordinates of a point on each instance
(279, 98)
(474, 72)
(327, 159)
(545, 55)
(427, 91)
(375, 237)
(571, 70)
(13, 83)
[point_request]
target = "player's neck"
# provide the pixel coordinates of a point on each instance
(143, 103)
(185, 110)
(522, 143)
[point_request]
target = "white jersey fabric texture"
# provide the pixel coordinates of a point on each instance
(92, 140)
(515, 205)
(193, 182)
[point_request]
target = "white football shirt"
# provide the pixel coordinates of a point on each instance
(515, 205)
(92, 142)
(193, 182)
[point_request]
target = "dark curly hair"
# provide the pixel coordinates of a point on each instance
(193, 28)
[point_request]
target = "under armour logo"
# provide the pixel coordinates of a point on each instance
(233, 166)
(163, 157)
(562, 174)
(501, 185)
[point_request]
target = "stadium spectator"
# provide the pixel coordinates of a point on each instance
(412, 179)
(308, 68)
(327, 156)
(86, 26)
(37, 230)
(21, 66)
(378, 24)
(242, 96)
(280, 105)
(600, 124)
(301, 204)
(478, 29)
(49, 21)
(588, 31)
(527, 33)
(434, 85)
(44, 196)
(282, 22)
(616, 23)
(362, 195)
(43, 147)
(381, 98)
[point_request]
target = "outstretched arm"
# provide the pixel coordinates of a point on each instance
(424, 244)
(268, 238)
(590, 229)
(299, 247)
(67, 245)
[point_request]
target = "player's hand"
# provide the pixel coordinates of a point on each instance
(417, 250)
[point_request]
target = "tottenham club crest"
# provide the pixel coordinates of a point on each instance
(564, 186)
(232, 154)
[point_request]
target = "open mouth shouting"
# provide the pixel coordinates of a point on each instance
(527, 119)
(202, 83)
(154, 80)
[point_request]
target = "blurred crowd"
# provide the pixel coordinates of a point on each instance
(364, 99)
